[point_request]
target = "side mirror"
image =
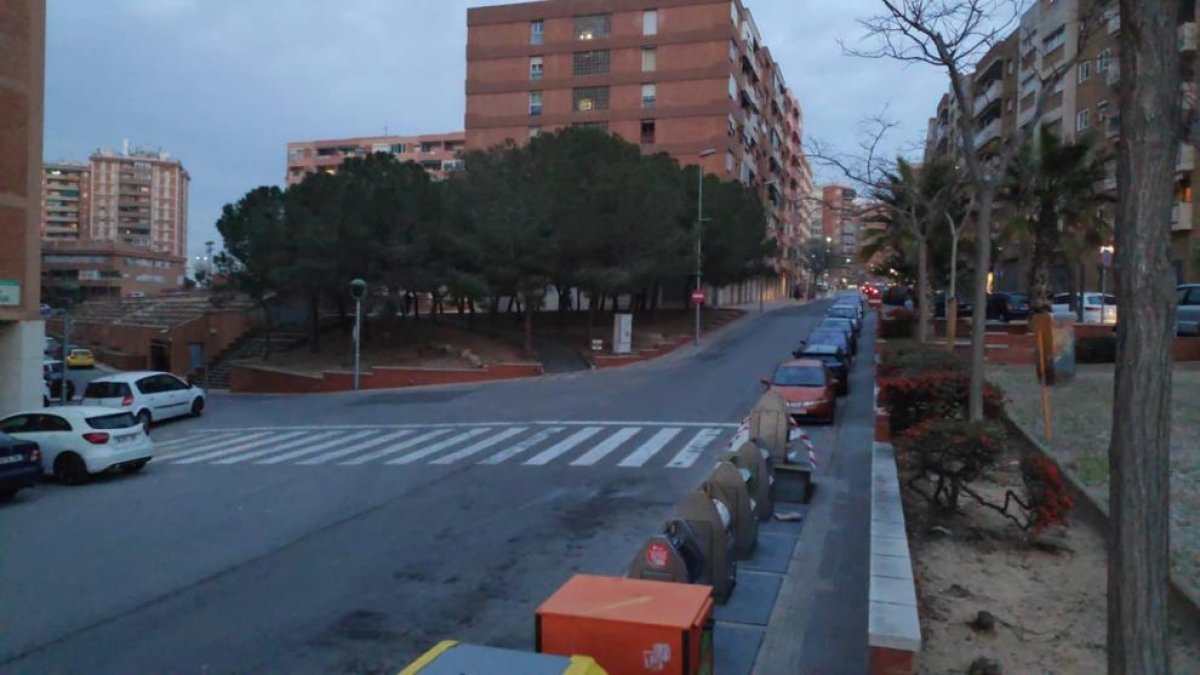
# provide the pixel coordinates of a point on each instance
(796, 353)
(766, 381)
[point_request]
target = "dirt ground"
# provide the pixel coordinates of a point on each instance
(646, 332)
(1048, 602)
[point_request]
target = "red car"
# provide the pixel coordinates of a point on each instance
(808, 388)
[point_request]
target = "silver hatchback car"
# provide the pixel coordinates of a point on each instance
(1187, 316)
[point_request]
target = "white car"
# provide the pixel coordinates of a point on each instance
(150, 396)
(77, 441)
(1093, 306)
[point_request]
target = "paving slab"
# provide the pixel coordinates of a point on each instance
(752, 600)
(735, 648)
(772, 554)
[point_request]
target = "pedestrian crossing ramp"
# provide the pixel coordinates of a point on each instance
(632, 445)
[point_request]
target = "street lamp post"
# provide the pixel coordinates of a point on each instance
(358, 289)
(707, 152)
(1106, 253)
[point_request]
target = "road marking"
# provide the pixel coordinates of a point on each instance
(480, 446)
(694, 448)
(650, 448)
(606, 446)
(399, 447)
(550, 454)
(190, 438)
(205, 447)
(617, 423)
(241, 447)
(522, 446)
(438, 447)
(302, 452)
(312, 438)
(358, 447)
(443, 425)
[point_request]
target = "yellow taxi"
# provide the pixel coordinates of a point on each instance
(81, 358)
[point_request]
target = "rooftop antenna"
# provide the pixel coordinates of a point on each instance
(125, 147)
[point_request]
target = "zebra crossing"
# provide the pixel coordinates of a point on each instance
(626, 445)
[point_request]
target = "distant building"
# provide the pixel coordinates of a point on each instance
(114, 226)
(439, 154)
(841, 227)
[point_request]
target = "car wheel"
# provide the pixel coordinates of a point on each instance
(143, 418)
(45, 402)
(134, 467)
(7, 493)
(70, 469)
(197, 406)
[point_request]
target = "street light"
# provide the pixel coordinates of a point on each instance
(707, 152)
(358, 289)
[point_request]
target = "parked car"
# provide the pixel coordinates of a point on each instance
(54, 377)
(874, 294)
(844, 325)
(79, 441)
(81, 358)
(1187, 316)
(51, 347)
(847, 312)
(835, 360)
(965, 308)
(1095, 308)
(807, 387)
(150, 396)
(1008, 306)
(833, 336)
(20, 465)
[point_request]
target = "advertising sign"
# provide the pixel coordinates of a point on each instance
(622, 333)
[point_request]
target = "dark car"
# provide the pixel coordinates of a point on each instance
(20, 465)
(829, 336)
(843, 325)
(939, 306)
(835, 360)
(846, 312)
(1008, 306)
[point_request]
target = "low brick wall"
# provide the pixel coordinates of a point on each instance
(616, 361)
(1186, 349)
(264, 380)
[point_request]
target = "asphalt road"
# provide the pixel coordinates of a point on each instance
(350, 532)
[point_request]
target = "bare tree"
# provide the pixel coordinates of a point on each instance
(954, 35)
(1139, 555)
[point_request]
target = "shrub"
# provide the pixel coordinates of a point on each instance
(1101, 349)
(918, 359)
(936, 395)
(899, 323)
(1048, 501)
(950, 454)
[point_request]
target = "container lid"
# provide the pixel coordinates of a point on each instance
(461, 659)
(637, 601)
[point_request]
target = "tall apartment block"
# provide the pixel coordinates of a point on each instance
(437, 153)
(675, 76)
(1004, 89)
(841, 227)
(114, 226)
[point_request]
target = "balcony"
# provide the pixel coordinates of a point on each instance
(1114, 73)
(991, 94)
(1110, 184)
(1187, 158)
(1187, 37)
(987, 133)
(1181, 217)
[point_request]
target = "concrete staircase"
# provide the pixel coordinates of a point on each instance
(248, 346)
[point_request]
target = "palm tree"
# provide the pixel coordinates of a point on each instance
(1053, 194)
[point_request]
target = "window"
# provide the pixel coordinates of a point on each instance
(535, 131)
(592, 27)
(1102, 111)
(1085, 71)
(1054, 40)
(399, 148)
(535, 68)
(1103, 61)
(649, 59)
(587, 99)
(1081, 120)
(149, 385)
(650, 22)
(535, 32)
(733, 51)
(649, 95)
(648, 131)
(535, 103)
(593, 62)
(733, 87)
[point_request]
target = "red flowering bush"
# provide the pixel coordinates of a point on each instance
(944, 455)
(911, 360)
(935, 395)
(1045, 492)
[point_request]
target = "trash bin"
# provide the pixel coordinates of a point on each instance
(455, 658)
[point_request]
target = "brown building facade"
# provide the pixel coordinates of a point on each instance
(675, 76)
(439, 154)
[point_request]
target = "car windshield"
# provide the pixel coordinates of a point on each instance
(55, 367)
(799, 376)
(106, 390)
(81, 352)
(114, 421)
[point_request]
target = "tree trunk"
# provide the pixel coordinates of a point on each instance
(529, 353)
(1045, 246)
(983, 250)
(922, 299)
(655, 291)
(1138, 456)
(314, 340)
(591, 314)
(266, 310)
(494, 310)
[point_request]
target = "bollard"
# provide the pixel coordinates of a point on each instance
(702, 514)
(750, 458)
(727, 485)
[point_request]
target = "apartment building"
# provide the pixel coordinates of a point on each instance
(140, 198)
(66, 201)
(841, 226)
(1004, 90)
(97, 270)
(677, 76)
(439, 154)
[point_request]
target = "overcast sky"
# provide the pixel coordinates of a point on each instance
(224, 84)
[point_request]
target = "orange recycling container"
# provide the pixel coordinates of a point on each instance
(630, 626)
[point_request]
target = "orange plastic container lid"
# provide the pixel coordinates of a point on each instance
(636, 601)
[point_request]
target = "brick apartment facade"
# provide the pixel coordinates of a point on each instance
(1004, 88)
(437, 153)
(675, 76)
(841, 227)
(114, 226)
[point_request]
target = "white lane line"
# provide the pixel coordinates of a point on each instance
(182, 440)
(357, 447)
(650, 448)
(304, 452)
(642, 423)
(479, 446)
(694, 448)
(438, 447)
(466, 425)
(272, 440)
(522, 446)
(205, 447)
(551, 453)
(399, 447)
(606, 446)
(305, 437)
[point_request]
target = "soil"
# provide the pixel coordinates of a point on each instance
(1048, 599)
(647, 332)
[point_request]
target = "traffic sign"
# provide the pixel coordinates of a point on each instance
(698, 296)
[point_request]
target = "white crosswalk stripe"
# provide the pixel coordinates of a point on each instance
(357, 447)
(650, 448)
(606, 446)
(399, 447)
(479, 446)
(577, 444)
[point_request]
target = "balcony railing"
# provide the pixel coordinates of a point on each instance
(1114, 73)
(1187, 158)
(989, 95)
(987, 133)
